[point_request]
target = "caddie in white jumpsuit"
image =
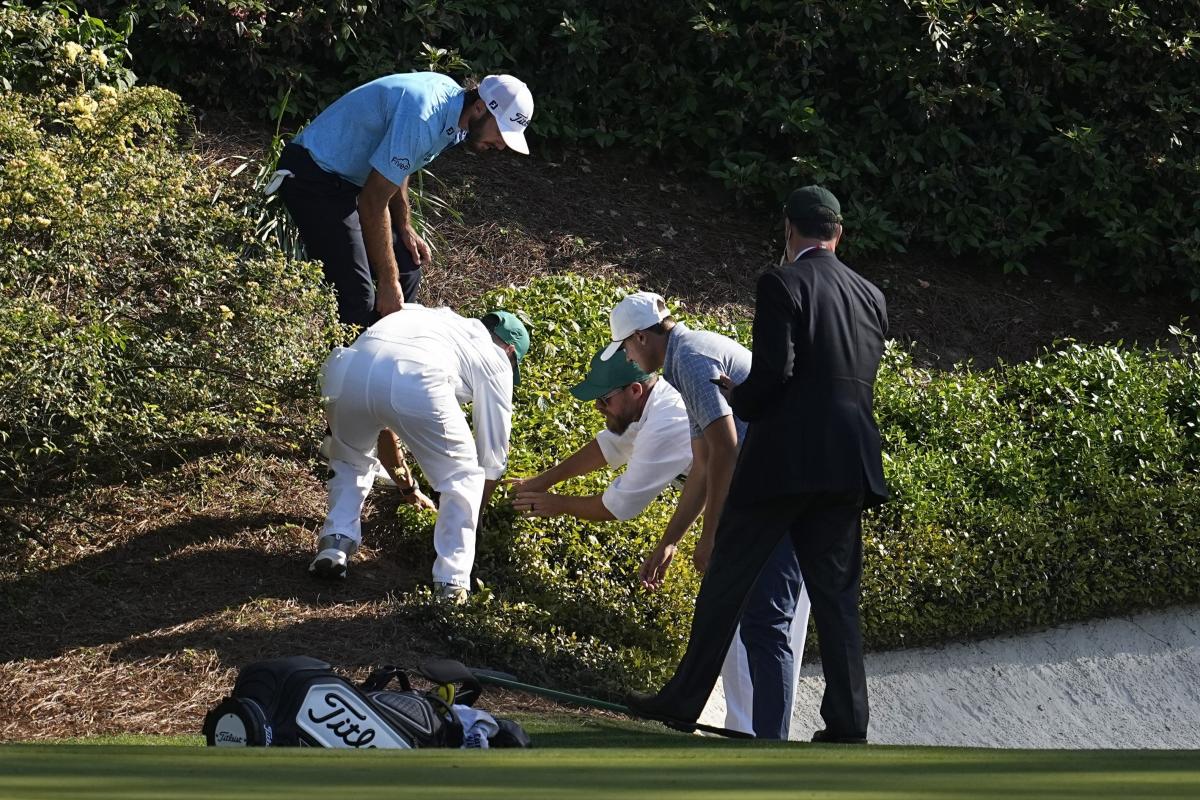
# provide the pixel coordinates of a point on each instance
(410, 372)
(646, 431)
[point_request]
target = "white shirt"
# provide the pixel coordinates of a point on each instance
(463, 349)
(657, 449)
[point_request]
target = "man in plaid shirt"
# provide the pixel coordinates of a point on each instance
(775, 620)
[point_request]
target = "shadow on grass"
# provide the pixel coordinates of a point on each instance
(133, 465)
(236, 585)
(562, 731)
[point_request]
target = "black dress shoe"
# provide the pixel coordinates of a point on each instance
(829, 737)
(650, 706)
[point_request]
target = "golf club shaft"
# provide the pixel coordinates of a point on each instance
(553, 694)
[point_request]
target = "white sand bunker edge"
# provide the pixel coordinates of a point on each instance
(1124, 682)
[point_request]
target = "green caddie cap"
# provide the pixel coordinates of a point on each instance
(511, 330)
(604, 376)
(813, 204)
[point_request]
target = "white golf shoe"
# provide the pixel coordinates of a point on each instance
(333, 556)
(457, 595)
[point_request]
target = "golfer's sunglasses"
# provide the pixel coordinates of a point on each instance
(604, 400)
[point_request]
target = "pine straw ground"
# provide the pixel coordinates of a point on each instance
(132, 606)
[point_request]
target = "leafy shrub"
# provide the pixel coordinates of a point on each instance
(566, 601)
(1025, 495)
(60, 50)
(1035, 493)
(1003, 131)
(139, 310)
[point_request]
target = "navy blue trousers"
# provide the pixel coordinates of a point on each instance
(825, 531)
(324, 207)
(766, 629)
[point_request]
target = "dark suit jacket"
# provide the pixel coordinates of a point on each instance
(818, 340)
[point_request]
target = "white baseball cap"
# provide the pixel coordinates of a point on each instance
(511, 104)
(634, 313)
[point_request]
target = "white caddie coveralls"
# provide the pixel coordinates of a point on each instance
(410, 372)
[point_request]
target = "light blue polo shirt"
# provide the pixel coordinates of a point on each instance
(396, 124)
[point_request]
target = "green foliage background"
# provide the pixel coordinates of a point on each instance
(139, 309)
(1009, 132)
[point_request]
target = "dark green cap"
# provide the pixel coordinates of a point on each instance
(511, 330)
(813, 204)
(604, 376)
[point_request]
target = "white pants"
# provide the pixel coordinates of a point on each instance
(735, 672)
(375, 385)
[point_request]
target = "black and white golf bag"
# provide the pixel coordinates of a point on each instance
(300, 701)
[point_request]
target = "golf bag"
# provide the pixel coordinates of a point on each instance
(301, 702)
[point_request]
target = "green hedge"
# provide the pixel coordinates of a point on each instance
(140, 306)
(56, 48)
(1035, 493)
(1013, 132)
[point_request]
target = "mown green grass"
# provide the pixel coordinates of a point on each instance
(577, 759)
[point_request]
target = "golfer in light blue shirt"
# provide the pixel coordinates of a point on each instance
(394, 125)
(344, 178)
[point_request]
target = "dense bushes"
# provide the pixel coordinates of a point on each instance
(1035, 493)
(1025, 495)
(138, 307)
(58, 50)
(1004, 131)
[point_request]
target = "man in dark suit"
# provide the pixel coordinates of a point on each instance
(810, 463)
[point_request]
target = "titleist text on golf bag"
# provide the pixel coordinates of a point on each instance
(301, 701)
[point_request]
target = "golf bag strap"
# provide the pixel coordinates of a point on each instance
(379, 679)
(445, 670)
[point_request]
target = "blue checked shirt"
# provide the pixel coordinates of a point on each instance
(693, 359)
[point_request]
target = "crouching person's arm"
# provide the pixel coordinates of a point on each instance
(392, 457)
(549, 504)
(588, 458)
(691, 503)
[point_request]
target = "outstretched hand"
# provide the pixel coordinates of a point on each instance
(654, 567)
(417, 498)
(536, 504)
(535, 483)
